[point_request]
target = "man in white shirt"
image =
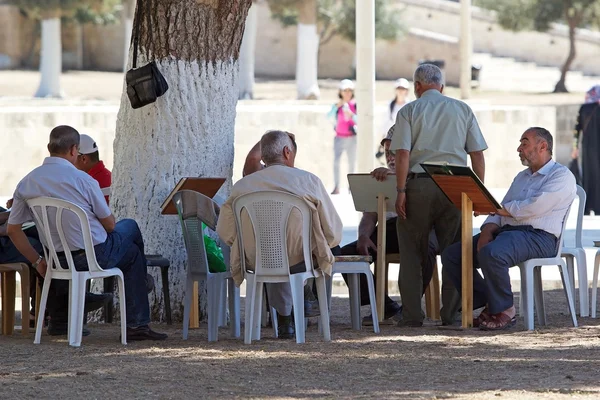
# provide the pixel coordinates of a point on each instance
(528, 226)
(117, 245)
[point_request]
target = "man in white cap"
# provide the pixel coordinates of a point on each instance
(89, 161)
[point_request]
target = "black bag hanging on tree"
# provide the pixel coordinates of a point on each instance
(144, 84)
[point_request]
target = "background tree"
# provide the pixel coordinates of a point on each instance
(519, 15)
(333, 17)
(50, 12)
(190, 130)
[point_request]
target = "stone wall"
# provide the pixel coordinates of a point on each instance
(24, 134)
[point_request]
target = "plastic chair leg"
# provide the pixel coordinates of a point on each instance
(564, 274)
(582, 277)
(354, 291)
(77, 301)
(595, 283)
(527, 296)
(122, 308)
(42, 310)
(371, 286)
(213, 289)
(223, 303)
(538, 291)
(249, 318)
(323, 307)
(187, 305)
(164, 272)
(297, 286)
(258, 308)
(9, 286)
(234, 308)
(274, 322)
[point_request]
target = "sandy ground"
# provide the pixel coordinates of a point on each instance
(93, 85)
(554, 362)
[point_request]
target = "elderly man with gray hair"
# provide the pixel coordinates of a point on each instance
(433, 128)
(278, 153)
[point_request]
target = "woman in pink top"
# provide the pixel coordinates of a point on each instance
(344, 115)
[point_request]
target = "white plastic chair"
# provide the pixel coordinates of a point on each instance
(48, 215)
(577, 253)
(595, 283)
(269, 213)
(353, 266)
(193, 209)
(531, 284)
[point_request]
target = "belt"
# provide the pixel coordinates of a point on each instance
(417, 175)
(73, 253)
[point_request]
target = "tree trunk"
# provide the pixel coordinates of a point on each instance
(50, 59)
(187, 132)
(247, 56)
(128, 11)
(307, 51)
(561, 84)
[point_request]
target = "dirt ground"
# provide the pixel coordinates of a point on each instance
(553, 362)
(108, 86)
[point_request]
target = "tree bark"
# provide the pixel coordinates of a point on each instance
(307, 51)
(50, 58)
(561, 86)
(187, 132)
(247, 52)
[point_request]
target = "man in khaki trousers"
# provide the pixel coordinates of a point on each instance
(433, 128)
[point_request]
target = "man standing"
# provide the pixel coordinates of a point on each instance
(117, 245)
(433, 128)
(278, 152)
(528, 226)
(89, 162)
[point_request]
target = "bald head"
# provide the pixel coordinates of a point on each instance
(62, 140)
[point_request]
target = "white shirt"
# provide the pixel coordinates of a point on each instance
(58, 178)
(539, 199)
(390, 118)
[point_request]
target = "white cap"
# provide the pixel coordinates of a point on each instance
(87, 145)
(346, 84)
(401, 83)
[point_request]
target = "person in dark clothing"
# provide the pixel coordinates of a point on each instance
(586, 149)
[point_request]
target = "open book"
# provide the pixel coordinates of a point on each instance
(454, 180)
(207, 186)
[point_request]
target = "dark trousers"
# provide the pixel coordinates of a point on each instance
(391, 247)
(123, 249)
(427, 208)
(511, 246)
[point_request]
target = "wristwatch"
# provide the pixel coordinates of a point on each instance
(401, 190)
(39, 260)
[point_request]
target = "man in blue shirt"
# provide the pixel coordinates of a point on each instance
(528, 226)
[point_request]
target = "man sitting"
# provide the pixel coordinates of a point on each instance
(89, 162)
(367, 242)
(278, 152)
(117, 245)
(528, 226)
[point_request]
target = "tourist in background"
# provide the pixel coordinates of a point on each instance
(587, 138)
(343, 113)
(400, 99)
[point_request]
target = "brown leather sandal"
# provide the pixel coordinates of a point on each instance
(501, 321)
(483, 316)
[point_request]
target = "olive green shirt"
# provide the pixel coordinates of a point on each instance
(436, 128)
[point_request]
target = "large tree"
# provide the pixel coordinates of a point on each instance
(50, 13)
(318, 22)
(190, 130)
(519, 15)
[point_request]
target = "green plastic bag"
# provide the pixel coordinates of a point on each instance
(216, 263)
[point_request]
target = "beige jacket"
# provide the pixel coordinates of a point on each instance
(326, 223)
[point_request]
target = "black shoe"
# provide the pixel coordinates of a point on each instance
(311, 308)
(285, 328)
(144, 333)
(94, 301)
(393, 315)
(62, 328)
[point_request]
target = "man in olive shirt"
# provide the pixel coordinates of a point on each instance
(433, 128)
